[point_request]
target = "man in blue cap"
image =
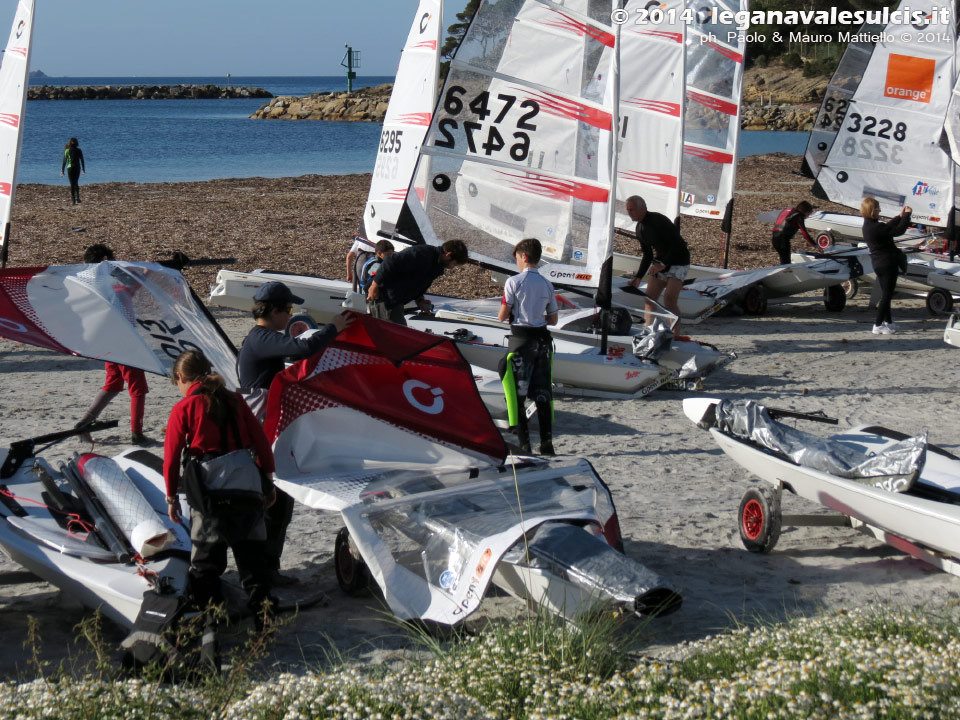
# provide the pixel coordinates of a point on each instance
(261, 357)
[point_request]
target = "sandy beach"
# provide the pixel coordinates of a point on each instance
(676, 492)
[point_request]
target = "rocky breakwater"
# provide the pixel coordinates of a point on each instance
(143, 92)
(364, 105)
(778, 117)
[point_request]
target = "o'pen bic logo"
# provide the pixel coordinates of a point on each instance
(435, 408)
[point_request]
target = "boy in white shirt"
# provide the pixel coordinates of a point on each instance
(530, 304)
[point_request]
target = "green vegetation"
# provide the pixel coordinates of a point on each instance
(861, 664)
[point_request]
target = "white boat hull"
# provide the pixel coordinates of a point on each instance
(932, 524)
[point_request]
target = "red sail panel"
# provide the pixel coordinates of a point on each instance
(18, 321)
(401, 376)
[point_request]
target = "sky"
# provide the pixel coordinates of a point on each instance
(120, 38)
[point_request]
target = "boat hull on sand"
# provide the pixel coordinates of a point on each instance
(80, 563)
(913, 517)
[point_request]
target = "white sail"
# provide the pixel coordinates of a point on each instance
(889, 145)
(407, 119)
(711, 123)
(515, 147)
(651, 109)
(836, 98)
(14, 78)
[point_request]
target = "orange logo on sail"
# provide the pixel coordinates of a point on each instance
(909, 78)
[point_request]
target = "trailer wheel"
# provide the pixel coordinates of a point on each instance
(834, 298)
(353, 575)
(939, 301)
(755, 301)
(299, 324)
(850, 288)
(760, 520)
(824, 240)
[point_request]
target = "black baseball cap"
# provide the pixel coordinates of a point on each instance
(276, 292)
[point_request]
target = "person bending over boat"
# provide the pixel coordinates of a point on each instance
(665, 254)
(118, 375)
(788, 223)
(261, 357)
(227, 492)
(74, 165)
(407, 275)
(886, 257)
(362, 249)
(530, 303)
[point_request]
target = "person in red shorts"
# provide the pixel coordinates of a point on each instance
(117, 376)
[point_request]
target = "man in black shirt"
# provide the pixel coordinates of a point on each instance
(261, 357)
(408, 274)
(665, 254)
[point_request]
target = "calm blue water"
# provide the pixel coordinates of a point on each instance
(183, 140)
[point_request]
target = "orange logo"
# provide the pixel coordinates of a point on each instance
(909, 78)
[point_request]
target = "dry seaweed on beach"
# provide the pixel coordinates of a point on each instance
(306, 224)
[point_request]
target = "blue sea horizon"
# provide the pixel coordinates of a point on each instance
(194, 140)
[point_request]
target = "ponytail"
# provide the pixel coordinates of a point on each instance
(193, 366)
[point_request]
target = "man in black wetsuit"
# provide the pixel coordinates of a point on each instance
(261, 357)
(665, 254)
(407, 275)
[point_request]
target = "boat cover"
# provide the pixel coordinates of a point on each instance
(896, 468)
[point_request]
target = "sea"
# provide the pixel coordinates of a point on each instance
(189, 140)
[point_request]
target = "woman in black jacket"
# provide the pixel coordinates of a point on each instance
(885, 256)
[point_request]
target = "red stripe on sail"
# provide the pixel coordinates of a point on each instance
(18, 320)
(662, 179)
(726, 52)
(415, 119)
(396, 194)
(410, 379)
(560, 106)
(427, 44)
(581, 29)
(5, 188)
(709, 155)
(556, 188)
(663, 34)
(724, 106)
(22, 52)
(10, 119)
(660, 106)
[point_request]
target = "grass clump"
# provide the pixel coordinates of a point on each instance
(861, 664)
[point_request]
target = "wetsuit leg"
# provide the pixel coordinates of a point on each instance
(74, 176)
(277, 519)
(887, 280)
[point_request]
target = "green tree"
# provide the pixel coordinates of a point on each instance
(457, 31)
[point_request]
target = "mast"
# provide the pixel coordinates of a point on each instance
(606, 269)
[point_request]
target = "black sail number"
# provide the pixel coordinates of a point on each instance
(877, 127)
(163, 332)
(486, 137)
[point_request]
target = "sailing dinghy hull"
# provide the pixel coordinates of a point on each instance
(82, 564)
(909, 519)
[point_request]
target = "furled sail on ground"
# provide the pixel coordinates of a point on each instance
(138, 314)
(651, 108)
(889, 145)
(14, 78)
(836, 98)
(403, 394)
(514, 149)
(711, 122)
(405, 124)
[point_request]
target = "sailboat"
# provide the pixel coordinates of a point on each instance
(14, 79)
(888, 143)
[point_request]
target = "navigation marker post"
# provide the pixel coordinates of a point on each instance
(350, 61)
